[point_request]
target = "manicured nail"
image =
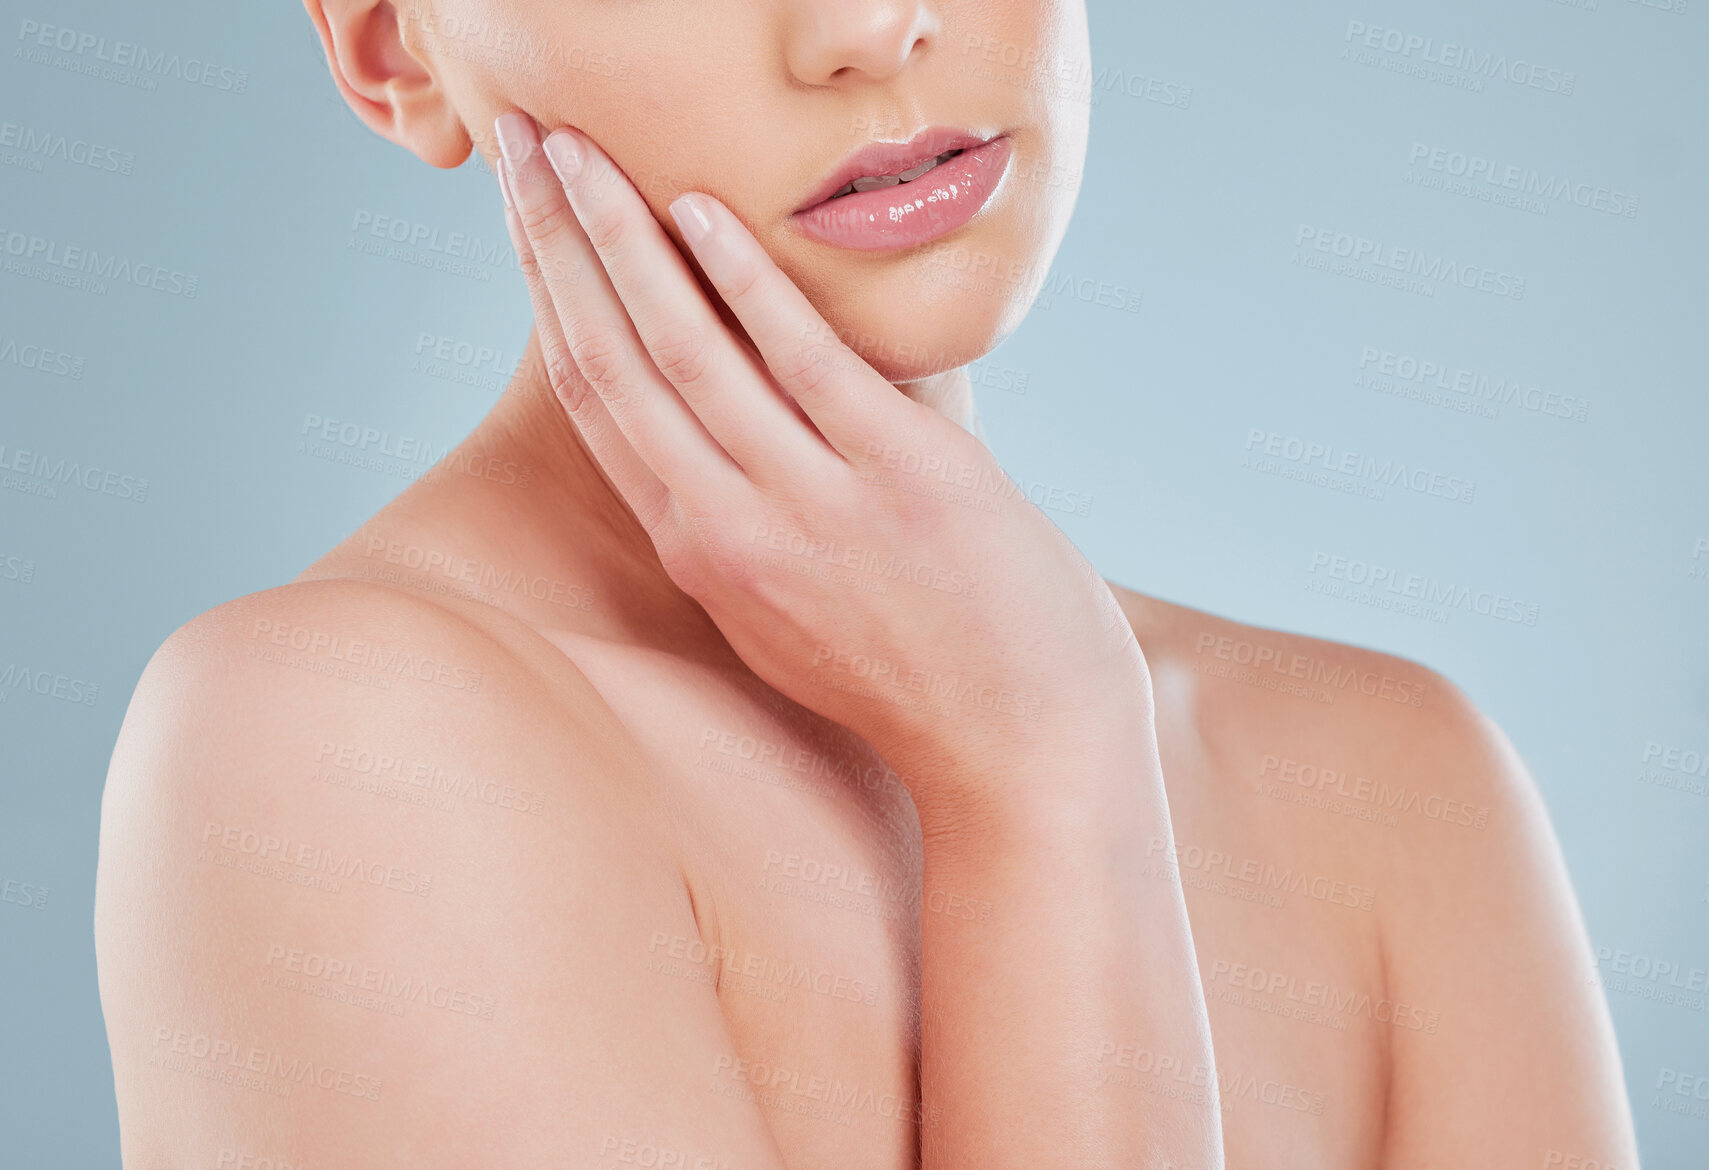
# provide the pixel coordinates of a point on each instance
(691, 219)
(565, 155)
(516, 137)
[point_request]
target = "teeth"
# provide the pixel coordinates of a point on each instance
(879, 182)
(912, 173)
(866, 183)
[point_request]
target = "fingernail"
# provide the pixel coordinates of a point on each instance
(691, 219)
(565, 155)
(515, 134)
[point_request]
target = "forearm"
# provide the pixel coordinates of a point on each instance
(1063, 1019)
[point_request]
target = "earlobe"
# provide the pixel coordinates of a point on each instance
(393, 91)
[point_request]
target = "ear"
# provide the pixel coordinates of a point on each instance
(383, 79)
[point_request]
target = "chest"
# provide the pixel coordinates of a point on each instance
(806, 847)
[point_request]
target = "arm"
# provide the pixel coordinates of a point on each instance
(1521, 1068)
(996, 673)
(1054, 971)
(292, 968)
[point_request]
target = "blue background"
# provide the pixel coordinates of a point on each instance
(1193, 205)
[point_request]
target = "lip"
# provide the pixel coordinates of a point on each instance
(911, 213)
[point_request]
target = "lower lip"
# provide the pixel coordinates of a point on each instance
(909, 214)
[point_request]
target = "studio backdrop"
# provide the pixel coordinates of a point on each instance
(1311, 247)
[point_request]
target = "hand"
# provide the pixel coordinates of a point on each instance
(863, 554)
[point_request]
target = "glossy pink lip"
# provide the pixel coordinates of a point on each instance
(912, 213)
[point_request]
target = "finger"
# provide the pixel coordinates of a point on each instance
(599, 336)
(848, 401)
(721, 380)
(646, 494)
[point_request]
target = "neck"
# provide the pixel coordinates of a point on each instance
(571, 526)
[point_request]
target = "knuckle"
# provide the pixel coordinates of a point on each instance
(529, 263)
(710, 555)
(680, 555)
(560, 271)
(546, 224)
(684, 357)
(561, 376)
(744, 280)
(605, 229)
(730, 561)
(805, 370)
(599, 356)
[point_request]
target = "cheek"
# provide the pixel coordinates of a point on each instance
(564, 63)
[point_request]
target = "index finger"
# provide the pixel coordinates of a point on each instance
(850, 404)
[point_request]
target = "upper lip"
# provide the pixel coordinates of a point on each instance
(892, 158)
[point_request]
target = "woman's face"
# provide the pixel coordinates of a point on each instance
(764, 104)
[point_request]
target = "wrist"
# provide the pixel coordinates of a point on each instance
(1095, 775)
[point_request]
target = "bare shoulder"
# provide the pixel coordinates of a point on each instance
(274, 692)
(1324, 715)
(360, 852)
(1500, 1047)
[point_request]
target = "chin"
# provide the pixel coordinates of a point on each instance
(910, 330)
(942, 305)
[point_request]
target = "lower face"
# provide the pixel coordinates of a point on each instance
(757, 104)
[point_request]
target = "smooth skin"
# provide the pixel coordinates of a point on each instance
(589, 919)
